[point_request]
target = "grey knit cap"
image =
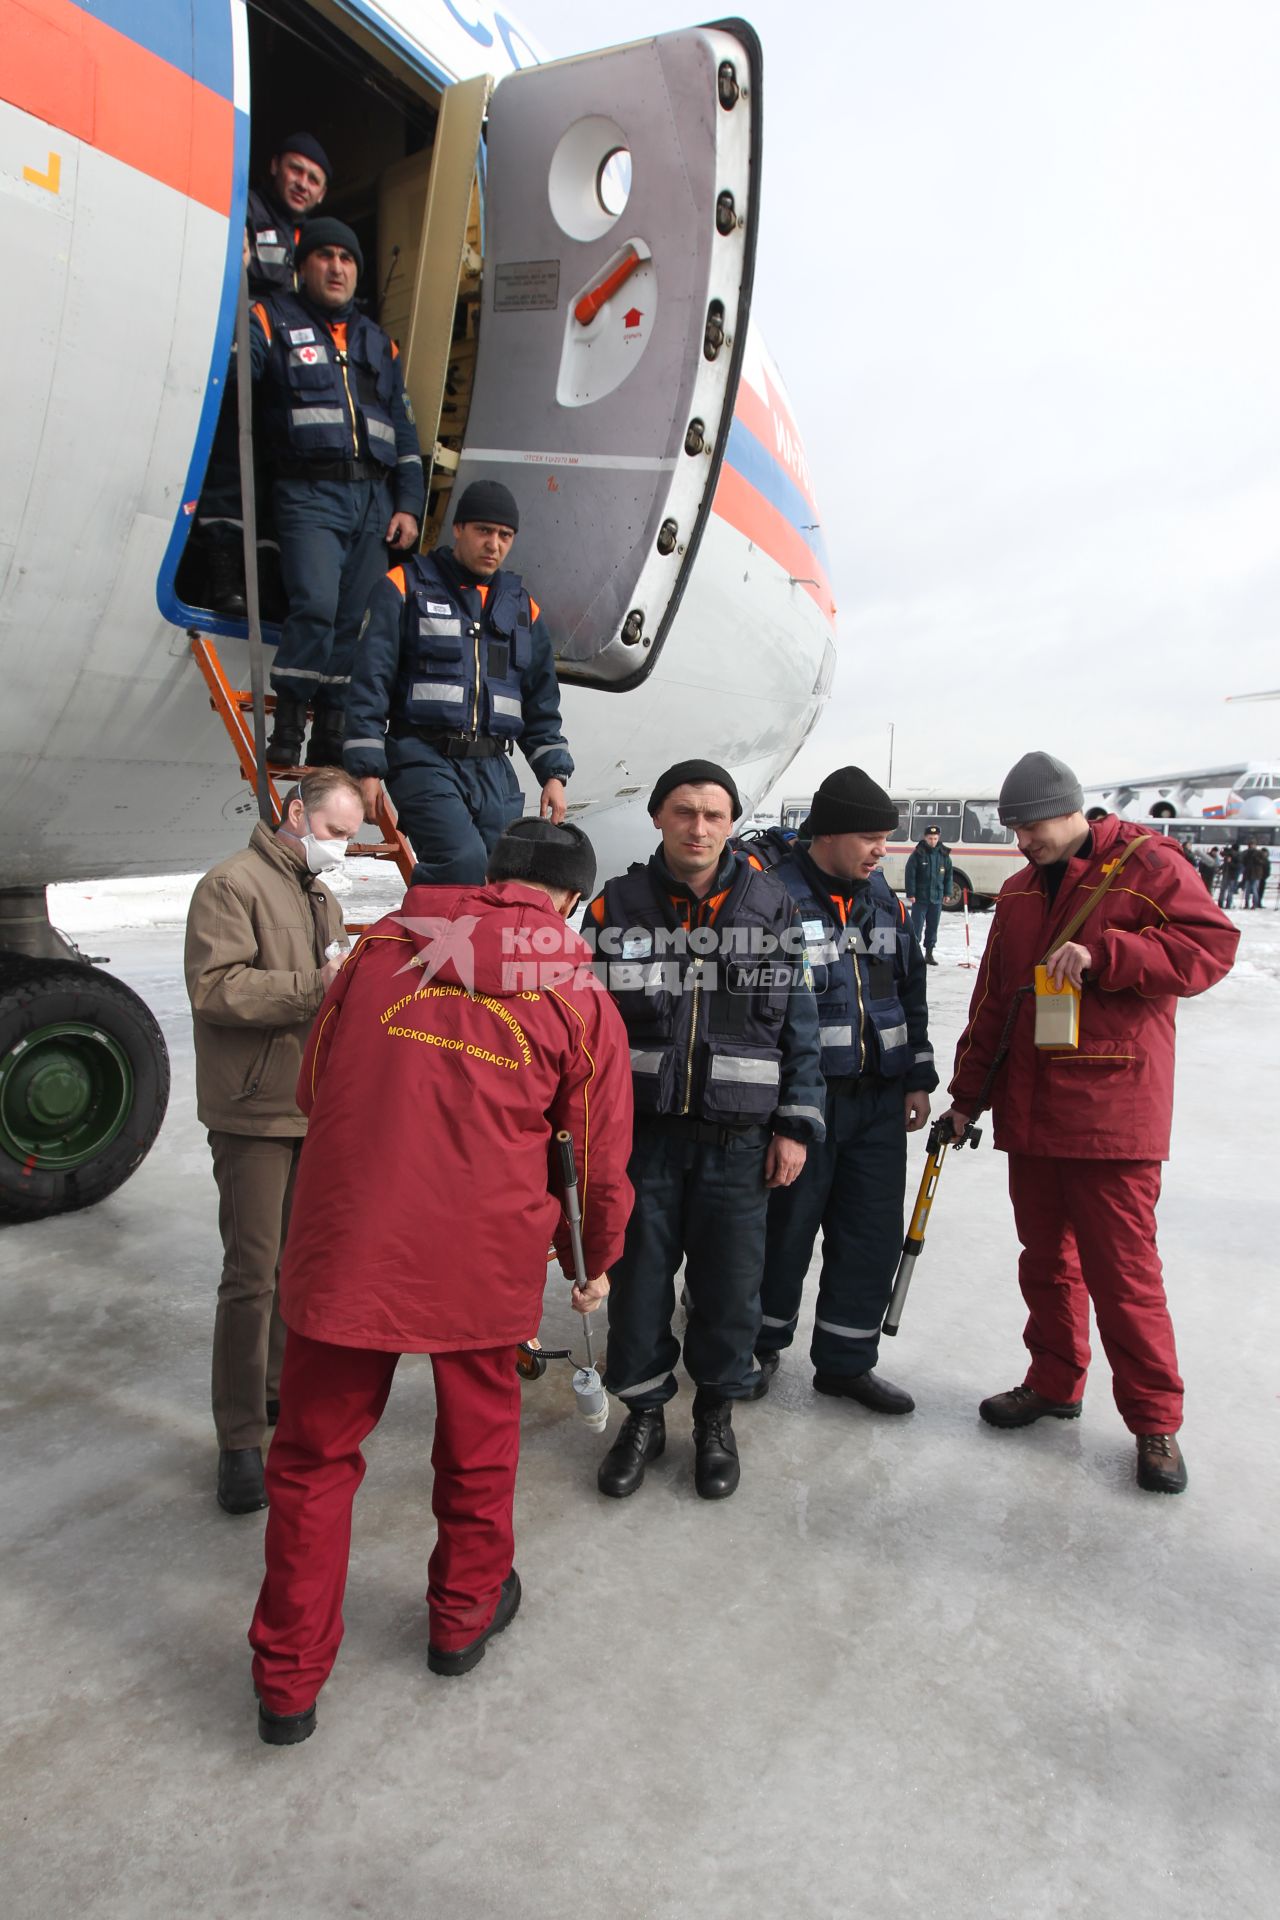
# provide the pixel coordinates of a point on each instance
(1039, 787)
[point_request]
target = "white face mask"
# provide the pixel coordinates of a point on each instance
(323, 856)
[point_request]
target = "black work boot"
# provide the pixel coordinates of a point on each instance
(462, 1659)
(284, 748)
(328, 731)
(285, 1729)
(716, 1472)
(929, 959)
(226, 579)
(1021, 1405)
(241, 1488)
(767, 1363)
(642, 1438)
(1161, 1467)
(868, 1389)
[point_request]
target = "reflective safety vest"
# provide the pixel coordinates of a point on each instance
(705, 1028)
(456, 672)
(272, 239)
(316, 395)
(858, 987)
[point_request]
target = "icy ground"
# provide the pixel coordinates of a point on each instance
(914, 1668)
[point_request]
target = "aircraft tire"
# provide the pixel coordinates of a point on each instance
(84, 1084)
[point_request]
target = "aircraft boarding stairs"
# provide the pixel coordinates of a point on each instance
(234, 707)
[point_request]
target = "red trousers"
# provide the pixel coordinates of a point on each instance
(331, 1399)
(1088, 1232)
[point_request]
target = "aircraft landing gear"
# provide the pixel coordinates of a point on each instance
(84, 1083)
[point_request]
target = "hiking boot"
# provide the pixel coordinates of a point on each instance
(929, 959)
(1161, 1467)
(1021, 1405)
(642, 1438)
(284, 748)
(716, 1472)
(767, 1362)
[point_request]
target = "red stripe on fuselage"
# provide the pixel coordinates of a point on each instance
(738, 502)
(64, 67)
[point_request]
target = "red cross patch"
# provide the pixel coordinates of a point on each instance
(308, 354)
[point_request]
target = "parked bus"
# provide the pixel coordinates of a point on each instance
(983, 853)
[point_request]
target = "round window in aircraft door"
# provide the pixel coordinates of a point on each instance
(613, 182)
(589, 182)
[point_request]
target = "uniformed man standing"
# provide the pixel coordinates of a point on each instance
(869, 978)
(455, 667)
(274, 215)
(700, 951)
(926, 884)
(347, 478)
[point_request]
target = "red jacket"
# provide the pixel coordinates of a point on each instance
(423, 1205)
(1156, 938)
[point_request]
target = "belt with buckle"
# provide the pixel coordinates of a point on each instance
(454, 746)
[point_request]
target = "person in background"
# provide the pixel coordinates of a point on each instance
(927, 883)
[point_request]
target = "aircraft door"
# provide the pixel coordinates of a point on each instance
(621, 212)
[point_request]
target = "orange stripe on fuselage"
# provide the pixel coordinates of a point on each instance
(738, 502)
(64, 67)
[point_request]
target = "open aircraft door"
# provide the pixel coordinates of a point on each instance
(621, 211)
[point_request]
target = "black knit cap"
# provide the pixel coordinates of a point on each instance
(325, 232)
(850, 801)
(531, 849)
(488, 500)
(694, 773)
(309, 147)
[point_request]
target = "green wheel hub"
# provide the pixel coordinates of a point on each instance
(65, 1093)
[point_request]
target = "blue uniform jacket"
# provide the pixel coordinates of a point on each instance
(343, 395)
(382, 676)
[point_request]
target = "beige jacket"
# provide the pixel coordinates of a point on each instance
(254, 953)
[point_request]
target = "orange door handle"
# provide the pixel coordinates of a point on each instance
(590, 304)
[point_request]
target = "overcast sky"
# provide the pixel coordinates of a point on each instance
(1019, 269)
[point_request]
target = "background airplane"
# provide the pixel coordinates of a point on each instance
(668, 517)
(1233, 790)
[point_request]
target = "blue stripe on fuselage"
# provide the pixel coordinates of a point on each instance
(750, 458)
(195, 37)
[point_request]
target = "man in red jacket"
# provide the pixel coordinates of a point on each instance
(462, 1032)
(1086, 1128)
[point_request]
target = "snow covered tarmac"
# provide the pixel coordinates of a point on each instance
(913, 1668)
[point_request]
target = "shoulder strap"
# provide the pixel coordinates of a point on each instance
(1078, 918)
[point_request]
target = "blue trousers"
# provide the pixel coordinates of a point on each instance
(333, 553)
(706, 1204)
(925, 915)
(453, 812)
(852, 1189)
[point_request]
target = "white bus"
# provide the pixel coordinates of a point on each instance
(983, 853)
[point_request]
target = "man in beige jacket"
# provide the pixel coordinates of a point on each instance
(261, 951)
